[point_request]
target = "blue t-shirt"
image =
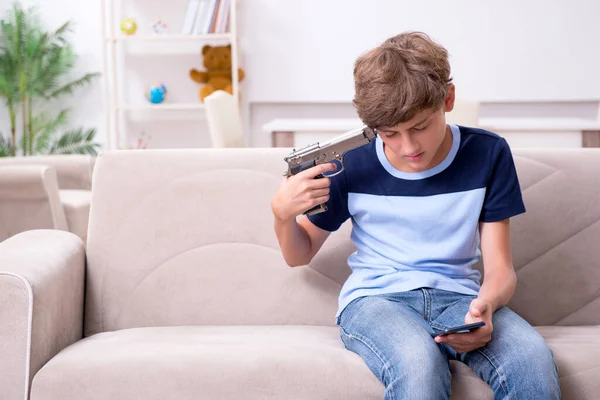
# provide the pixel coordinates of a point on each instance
(421, 229)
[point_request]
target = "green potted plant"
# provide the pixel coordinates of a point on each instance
(34, 64)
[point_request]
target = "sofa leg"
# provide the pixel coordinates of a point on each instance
(590, 139)
(282, 139)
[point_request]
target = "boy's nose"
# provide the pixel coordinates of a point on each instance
(410, 148)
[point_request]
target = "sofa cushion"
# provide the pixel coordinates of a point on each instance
(186, 238)
(74, 171)
(250, 362)
(264, 362)
(76, 204)
(576, 351)
(194, 219)
(555, 242)
(29, 199)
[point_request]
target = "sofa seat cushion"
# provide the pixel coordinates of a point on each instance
(250, 362)
(577, 354)
(261, 362)
(76, 204)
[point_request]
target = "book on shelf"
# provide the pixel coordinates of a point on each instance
(206, 16)
(190, 17)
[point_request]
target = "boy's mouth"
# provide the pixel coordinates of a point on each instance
(416, 157)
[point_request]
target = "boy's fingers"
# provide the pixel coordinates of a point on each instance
(318, 184)
(317, 170)
(461, 339)
(320, 192)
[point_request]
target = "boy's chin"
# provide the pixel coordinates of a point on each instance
(422, 161)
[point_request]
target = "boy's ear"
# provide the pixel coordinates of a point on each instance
(449, 102)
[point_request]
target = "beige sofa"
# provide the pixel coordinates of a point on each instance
(186, 295)
(51, 191)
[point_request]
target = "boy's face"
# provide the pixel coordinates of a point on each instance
(421, 143)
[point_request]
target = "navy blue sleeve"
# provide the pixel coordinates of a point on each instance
(337, 205)
(503, 193)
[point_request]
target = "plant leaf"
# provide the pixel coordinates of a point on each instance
(5, 146)
(71, 86)
(76, 142)
(45, 130)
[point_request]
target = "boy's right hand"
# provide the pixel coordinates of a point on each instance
(301, 192)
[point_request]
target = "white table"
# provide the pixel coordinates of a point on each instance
(283, 130)
(546, 132)
(523, 132)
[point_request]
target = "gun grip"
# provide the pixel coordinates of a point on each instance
(316, 209)
(301, 167)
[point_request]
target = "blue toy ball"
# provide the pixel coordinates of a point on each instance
(156, 94)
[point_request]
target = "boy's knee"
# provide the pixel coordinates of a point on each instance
(418, 376)
(538, 356)
(533, 371)
(419, 366)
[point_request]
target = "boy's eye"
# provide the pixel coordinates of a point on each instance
(421, 128)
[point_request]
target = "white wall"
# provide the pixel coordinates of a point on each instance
(298, 58)
(500, 50)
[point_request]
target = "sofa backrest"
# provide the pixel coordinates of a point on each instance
(29, 199)
(74, 171)
(555, 243)
(182, 237)
(185, 237)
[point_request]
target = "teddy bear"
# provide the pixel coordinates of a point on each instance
(217, 61)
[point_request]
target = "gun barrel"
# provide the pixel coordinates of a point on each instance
(331, 150)
(342, 143)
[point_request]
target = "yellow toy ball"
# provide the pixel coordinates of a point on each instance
(128, 26)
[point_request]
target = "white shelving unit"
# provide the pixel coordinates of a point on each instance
(178, 106)
(115, 107)
(171, 37)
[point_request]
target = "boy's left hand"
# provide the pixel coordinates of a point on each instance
(479, 310)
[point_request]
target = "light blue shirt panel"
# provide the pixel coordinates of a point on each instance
(409, 242)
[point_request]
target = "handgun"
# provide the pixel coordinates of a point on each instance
(330, 151)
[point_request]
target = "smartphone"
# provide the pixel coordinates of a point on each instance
(462, 328)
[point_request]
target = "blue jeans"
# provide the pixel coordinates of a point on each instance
(393, 335)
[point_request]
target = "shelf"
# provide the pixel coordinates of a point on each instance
(167, 106)
(122, 53)
(171, 38)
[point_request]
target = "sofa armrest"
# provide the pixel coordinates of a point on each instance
(42, 275)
